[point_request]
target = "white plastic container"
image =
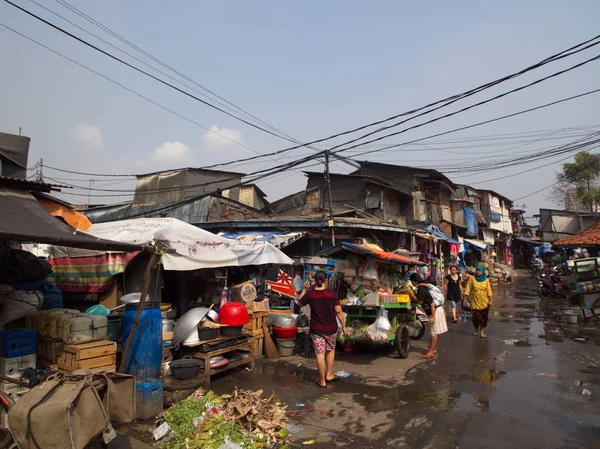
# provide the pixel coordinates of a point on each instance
(45, 320)
(84, 328)
(14, 366)
(59, 322)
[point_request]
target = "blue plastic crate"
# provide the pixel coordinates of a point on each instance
(17, 342)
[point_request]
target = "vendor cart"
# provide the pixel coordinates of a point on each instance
(587, 278)
(406, 319)
(407, 323)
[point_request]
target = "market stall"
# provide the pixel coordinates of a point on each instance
(372, 285)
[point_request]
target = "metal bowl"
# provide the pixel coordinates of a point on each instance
(212, 316)
(187, 324)
(284, 321)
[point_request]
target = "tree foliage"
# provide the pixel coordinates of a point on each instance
(582, 179)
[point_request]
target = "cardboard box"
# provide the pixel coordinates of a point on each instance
(256, 306)
(88, 355)
(244, 292)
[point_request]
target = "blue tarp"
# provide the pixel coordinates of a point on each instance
(471, 221)
(251, 235)
(495, 217)
(436, 231)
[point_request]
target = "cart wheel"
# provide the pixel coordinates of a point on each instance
(402, 341)
(420, 332)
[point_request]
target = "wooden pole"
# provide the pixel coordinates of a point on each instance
(136, 321)
(328, 185)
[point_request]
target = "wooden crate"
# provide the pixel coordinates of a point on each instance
(50, 350)
(257, 321)
(258, 345)
(103, 369)
(88, 355)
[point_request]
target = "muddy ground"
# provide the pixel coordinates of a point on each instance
(526, 385)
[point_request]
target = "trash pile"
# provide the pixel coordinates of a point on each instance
(205, 420)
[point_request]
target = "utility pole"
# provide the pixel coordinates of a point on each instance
(90, 191)
(41, 170)
(328, 187)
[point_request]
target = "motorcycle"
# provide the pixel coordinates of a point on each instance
(551, 286)
(417, 328)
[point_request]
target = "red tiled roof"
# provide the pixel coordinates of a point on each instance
(588, 237)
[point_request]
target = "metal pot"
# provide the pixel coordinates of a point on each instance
(283, 321)
(212, 316)
(168, 325)
(185, 368)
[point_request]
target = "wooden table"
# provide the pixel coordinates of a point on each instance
(206, 356)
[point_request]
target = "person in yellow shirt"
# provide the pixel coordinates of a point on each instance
(479, 292)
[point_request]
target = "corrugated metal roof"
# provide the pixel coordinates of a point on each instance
(190, 212)
(27, 185)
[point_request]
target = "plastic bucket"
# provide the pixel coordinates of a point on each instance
(571, 316)
(286, 347)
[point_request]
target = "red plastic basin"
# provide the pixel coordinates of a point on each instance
(285, 333)
(234, 314)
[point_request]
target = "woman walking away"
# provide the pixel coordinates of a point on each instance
(479, 292)
(453, 290)
(324, 308)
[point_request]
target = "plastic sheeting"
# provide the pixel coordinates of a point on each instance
(186, 247)
(471, 221)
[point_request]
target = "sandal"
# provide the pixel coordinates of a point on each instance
(334, 379)
(483, 335)
(318, 382)
(428, 355)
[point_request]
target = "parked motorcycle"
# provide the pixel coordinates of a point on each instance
(551, 286)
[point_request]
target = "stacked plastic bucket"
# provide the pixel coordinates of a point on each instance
(285, 329)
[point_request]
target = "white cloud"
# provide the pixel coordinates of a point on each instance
(172, 153)
(87, 137)
(222, 137)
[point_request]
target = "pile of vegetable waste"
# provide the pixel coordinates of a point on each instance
(205, 420)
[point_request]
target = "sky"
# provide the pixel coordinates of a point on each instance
(311, 69)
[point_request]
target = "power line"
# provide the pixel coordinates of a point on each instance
(537, 191)
(98, 49)
(553, 58)
(129, 90)
(157, 60)
(98, 24)
(560, 55)
(485, 122)
(561, 72)
(520, 173)
(137, 69)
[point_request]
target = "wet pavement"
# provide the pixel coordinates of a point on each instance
(526, 385)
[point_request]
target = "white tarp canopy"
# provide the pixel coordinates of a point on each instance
(477, 243)
(186, 247)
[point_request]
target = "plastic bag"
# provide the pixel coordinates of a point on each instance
(369, 271)
(376, 335)
(383, 322)
(229, 445)
(377, 331)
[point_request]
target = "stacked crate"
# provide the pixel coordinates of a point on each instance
(97, 355)
(71, 340)
(17, 352)
(258, 320)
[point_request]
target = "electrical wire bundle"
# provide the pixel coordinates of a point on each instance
(351, 146)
